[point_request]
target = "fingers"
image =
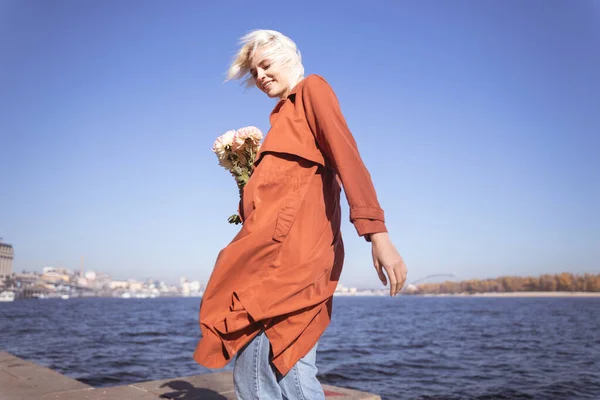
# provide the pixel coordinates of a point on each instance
(402, 272)
(377, 265)
(397, 274)
(393, 280)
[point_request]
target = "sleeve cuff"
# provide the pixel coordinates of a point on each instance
(364, 227)
(374, 213)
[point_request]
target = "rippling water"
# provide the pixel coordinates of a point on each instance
(400, 348)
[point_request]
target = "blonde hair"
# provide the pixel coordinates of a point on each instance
(278, 48)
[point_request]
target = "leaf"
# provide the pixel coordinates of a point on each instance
(234, 219)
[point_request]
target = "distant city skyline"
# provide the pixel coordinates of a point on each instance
(478, 122)
(172, 280)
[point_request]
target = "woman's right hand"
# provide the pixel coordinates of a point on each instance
(385, 256)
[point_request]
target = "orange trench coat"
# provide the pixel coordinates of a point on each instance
(280, 271)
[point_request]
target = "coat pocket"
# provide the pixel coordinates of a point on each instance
(290, 208)
(286, 217)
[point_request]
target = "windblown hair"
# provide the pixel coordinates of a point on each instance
(279, 49)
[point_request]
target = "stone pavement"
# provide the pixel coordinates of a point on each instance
(24, 380)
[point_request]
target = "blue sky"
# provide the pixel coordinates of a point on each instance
(479, 122)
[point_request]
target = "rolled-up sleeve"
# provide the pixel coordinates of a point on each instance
(335, 140)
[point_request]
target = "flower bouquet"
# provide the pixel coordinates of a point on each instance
(236, 151)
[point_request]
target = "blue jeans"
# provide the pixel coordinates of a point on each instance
(255, 377)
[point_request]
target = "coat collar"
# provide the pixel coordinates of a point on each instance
(291, 96)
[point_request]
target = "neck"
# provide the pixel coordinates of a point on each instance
(289, 89)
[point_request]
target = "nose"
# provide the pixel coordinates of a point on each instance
(260, 74)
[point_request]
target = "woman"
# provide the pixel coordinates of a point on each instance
(269, 297)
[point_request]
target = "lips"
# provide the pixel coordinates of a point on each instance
(267, 85)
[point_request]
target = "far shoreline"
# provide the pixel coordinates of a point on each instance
(512, 294)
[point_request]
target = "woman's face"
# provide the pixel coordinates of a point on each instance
(269, 77)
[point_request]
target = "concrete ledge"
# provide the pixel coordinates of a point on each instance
(21, 379)
(24, 380)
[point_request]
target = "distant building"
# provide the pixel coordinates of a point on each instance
(119, 284)
(6, 260)
(56, 275)
(90, 275)
(410, 288)
(57, 270)
(185, 289)
(135, 285)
